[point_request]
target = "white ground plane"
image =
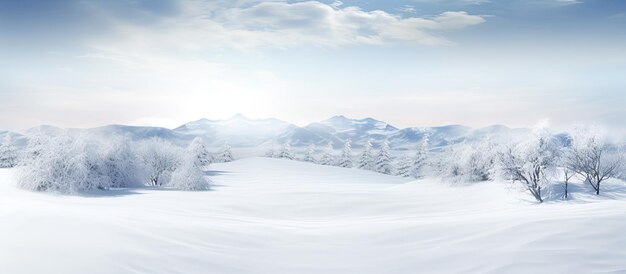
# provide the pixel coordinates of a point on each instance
(278, 216)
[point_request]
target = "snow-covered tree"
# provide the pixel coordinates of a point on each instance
(420, 159)
(198, 150)
(65, 164)
(159, 159)
(404, 167)
(327, 158)
(226, 155)
(592, 158)
(366, 158)
(189, 175)
(468, 162)
(531, 162)
(309, 155)
(121, 163)
(346, 155)
(286, 152)
(8, 153)
(383, 159)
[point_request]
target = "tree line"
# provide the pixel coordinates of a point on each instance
(76, 163)
(538, 160)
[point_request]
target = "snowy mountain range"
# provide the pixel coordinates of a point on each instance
(242, 132)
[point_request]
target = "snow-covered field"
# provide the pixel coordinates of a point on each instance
(278, 216)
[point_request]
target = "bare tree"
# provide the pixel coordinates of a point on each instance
(591, 158)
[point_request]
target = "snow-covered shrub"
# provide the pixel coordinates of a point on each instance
(531, 162)
(366, 158)
(159, 159)
(189, 176)
(346, 155)
(65, 164)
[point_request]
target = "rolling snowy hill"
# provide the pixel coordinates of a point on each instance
(278, 216)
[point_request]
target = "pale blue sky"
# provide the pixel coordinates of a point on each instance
(409, 62)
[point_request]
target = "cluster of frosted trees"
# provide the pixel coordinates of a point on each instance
(8, 154)
(538, 161)
(70, 164)
(369, 159)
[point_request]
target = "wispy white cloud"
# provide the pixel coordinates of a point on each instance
(247, 25)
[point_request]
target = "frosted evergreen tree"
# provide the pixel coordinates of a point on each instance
(226, 155)
(8, 153)
(346, 155)
(404, 167)
(200, 153)
(285, 152)
(327, 158)
(383, 159)
(309, 154)
(420, 160)
(189, 176)
(365, 160)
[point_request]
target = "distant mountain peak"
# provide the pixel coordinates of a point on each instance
(238, 116)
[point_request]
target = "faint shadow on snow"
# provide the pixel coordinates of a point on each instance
(114, 192)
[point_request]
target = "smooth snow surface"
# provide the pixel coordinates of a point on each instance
(279, 216)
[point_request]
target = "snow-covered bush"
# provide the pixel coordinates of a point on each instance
(346, 155)
(531, 162)
(65, 164)
(189, 175)
(366, 158)
(159, 159)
